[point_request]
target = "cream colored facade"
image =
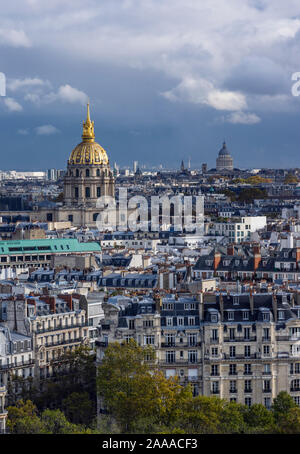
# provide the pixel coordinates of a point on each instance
(248, 359)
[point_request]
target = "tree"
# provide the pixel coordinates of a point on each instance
(290, 178)
(211, 415)
(78, 408)
(259, 418)
(281, 405)
(139, 398)
(23, 419)
(290, 423)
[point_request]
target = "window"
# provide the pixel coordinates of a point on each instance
(232, 369)
(246, 333)
(232, 334)
(149, 340)
(267, 386)
(214, 334)
(248, 388)
(192, 340)
(247, 369)
(266, 316)
(267, 368)
(87, 173)
(266, 350)
(76, 192)
(232, 352)
(169, 321)
(232, 386)
(192, 356)
(191, 321)
(170, 339)
(267, 402)
(281, 315)
(214, 318)
(98, 191)
(230, 315)
(266, 334)
(245, 315)
(87, 192)
(214, 370)
(131, 324)
(248, 401)
(170, 356)
(70, 217)
(180, 321)
(215, 387)
(247, 350)
(214, 351)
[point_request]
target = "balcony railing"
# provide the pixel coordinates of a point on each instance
(267, 390)
(215, 391)
(18, 364)
(214, 341)
(240, 339)
(238, 357)
(248, 390)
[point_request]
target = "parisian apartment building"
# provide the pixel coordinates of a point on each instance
(243, 347)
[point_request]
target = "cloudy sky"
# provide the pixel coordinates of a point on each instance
(167, 80)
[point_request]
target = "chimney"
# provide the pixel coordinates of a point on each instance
(32, 302)
(257, 256)
(298, 257)
(221, 303)
(230, 249)
(68, 299)
(251, 301)
(201, 305)
(217, 260)
(51, 302)
(274, 306)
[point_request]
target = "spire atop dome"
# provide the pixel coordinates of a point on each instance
(88, 133)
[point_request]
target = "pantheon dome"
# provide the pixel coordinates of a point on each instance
(224, 159)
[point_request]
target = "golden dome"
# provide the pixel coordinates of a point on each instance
(88, 151)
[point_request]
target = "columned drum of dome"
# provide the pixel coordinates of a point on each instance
(224, 160)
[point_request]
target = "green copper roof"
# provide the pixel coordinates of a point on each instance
(47, 245)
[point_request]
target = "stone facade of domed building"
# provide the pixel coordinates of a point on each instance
(87, 178)
(224, 160)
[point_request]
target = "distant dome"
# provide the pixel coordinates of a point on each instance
(224, 159)
(224, 150)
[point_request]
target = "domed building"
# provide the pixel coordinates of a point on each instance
(88, 173)
(87, 178)
(224, 160)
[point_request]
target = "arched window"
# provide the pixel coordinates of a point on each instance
(98, 173)
(87, 172)
(95, 215)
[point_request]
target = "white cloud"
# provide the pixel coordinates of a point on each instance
(242, 118)
(12, 105)
(17, 84)
(14, 38)
(46, 130)
(198, 44)
(203, 92)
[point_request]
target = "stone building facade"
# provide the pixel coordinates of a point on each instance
(243, 347)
